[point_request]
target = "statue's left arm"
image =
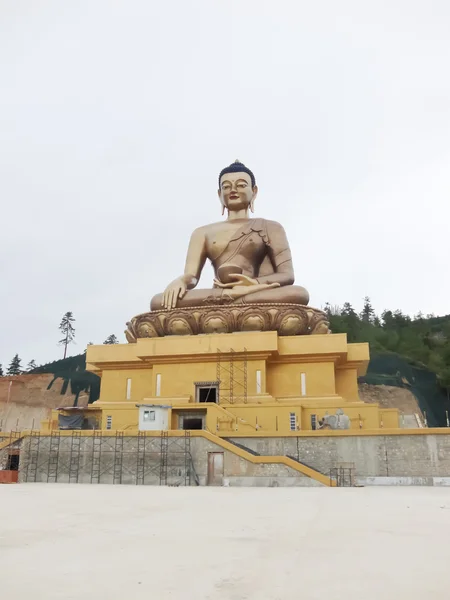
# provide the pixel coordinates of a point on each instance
(280, 256)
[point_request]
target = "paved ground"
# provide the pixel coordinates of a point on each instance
(128, 542)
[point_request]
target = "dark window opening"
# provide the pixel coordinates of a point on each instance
(192, 423)
(207, 394)
(12, 463)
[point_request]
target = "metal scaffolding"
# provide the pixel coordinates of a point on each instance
(74, 462)
(232, 376)
(140, 465)
(164, 458)
(343, 474)
(53, 457)
(101, 458)
(96, 456)
(118, 458)
(33, 456)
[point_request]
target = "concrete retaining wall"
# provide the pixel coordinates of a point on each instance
(374, 456)
(61, 466)
(379, 460)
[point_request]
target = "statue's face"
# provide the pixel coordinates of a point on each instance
(236, 192)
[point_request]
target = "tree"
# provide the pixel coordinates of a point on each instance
(111, 339)
(367, 313)
(68, 331)
(388, 319)
(31, 365)
(1, 371)
(347, 310)
(14, 366)
(332, 311)
(351, 322)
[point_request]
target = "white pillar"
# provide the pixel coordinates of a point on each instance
(303, 383)
(128, 389)
(258, 382)
(158, 384)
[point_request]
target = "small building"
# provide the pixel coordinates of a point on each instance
(153, 417)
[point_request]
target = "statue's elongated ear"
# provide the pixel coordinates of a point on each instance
(221, 202)
(252, 201)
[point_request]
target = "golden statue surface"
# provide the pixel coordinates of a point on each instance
(254, 276)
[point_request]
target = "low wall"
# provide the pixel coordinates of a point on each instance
(373, 455)
(134, 460)
(392, 459)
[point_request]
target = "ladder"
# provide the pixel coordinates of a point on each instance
(118, 458)
(96, 456)
(163, 458)
(187, 458)
(74, 462)
(53, 457)
(33, 456)
(140, 467)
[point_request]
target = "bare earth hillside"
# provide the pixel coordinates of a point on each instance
(390, 397)
(25, 400)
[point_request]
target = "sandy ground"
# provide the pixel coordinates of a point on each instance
(82, 541)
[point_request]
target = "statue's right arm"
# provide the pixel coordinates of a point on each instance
(195, 260)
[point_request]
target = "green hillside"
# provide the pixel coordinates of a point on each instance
(406, 352)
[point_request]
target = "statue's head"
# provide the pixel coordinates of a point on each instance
(237, 187)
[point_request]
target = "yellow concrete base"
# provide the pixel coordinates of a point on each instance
(290, 382)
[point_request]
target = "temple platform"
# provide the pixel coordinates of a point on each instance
(244, 383)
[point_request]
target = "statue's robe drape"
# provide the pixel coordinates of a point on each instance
(260, 250)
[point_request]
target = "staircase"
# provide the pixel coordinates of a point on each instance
(256, 458)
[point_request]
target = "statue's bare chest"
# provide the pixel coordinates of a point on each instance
(221, 236)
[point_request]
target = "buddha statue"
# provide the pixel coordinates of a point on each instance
(251, 257)
(253, 286)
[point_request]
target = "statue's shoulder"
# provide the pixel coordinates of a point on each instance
(212, 227)
(204, 229)
(270, 225)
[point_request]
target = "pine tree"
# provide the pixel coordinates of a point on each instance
(347, 310)
(1, 370)
(350, 321)
(68, 331)
(31, 365)
(367, 313)
(14, 366)
(388, 319)
(111, 339)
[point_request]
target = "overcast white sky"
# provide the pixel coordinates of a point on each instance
(116, 117)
